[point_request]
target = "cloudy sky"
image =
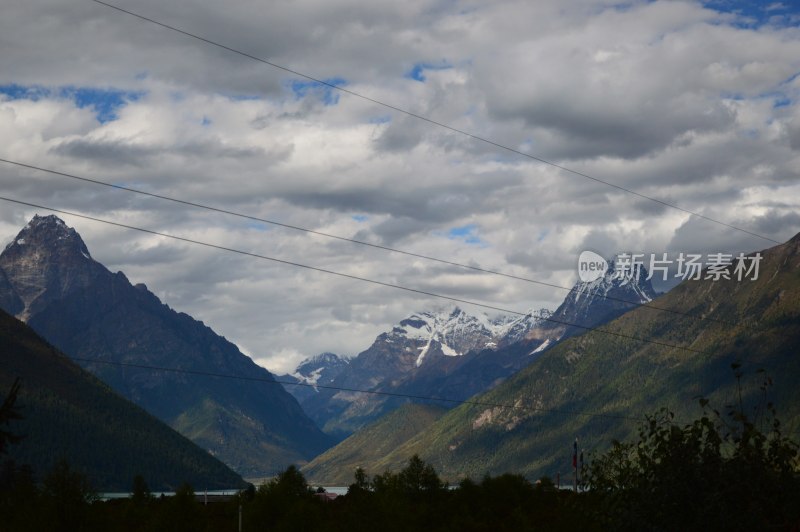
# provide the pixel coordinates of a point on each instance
(692, 103)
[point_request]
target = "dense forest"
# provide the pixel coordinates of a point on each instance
(724, 470)
(66, 413)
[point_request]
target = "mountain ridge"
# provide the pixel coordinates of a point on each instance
(68, 413)
(450, 354)
(90, 313)
(594, 386)
(413, 357)
(319, 370)
(372, 443)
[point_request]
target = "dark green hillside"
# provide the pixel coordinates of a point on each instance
(759, 324)
(371, 444)
(90, 313)
(70, 414)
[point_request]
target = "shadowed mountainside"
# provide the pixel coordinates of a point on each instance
(68, 413)
(85, 310)
(619, 380)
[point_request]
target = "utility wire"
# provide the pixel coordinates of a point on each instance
(355, 390)
(356, 277)
(273, 380)
(360, 242)
(434, 122)
(380, 283)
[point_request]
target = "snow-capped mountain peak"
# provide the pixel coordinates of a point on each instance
(594, 302)
(636, 287)
(325, 366)
(510, 329)
(456, 332)
(313, 372)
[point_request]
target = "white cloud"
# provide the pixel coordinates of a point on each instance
(670, 99)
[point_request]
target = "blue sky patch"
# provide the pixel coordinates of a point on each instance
(791, 78)
(778, 98)
(19, 92)
(104, 102)
(240, 97)
(466, 233)
(417, 72)
(382, 119)
(736, 96)
(542, 235)
(258, 226)
(329, 96)
(360, 217)
(755, 14)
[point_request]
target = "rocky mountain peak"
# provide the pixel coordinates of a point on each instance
(590, 303)
(324, 364)
(51, 281)
(48, 233)
(511, 329)
(44, 262)
(319, 370)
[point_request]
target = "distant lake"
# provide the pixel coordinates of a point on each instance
(338, 490)
(125, 495)
(106, 496)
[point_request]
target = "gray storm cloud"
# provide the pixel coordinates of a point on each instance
(676, 100)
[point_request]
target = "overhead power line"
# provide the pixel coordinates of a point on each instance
(435, 122)
(355, 390)
(354, 241)
(472, 402)
(355, 277)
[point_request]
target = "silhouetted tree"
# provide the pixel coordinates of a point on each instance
(66, 495)
(290, 482)
(140, 491)
(19, 498)
(361, 481)
(139, 507)
(419, 477)
(717, 472)
(181, 512)
(285, 503)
